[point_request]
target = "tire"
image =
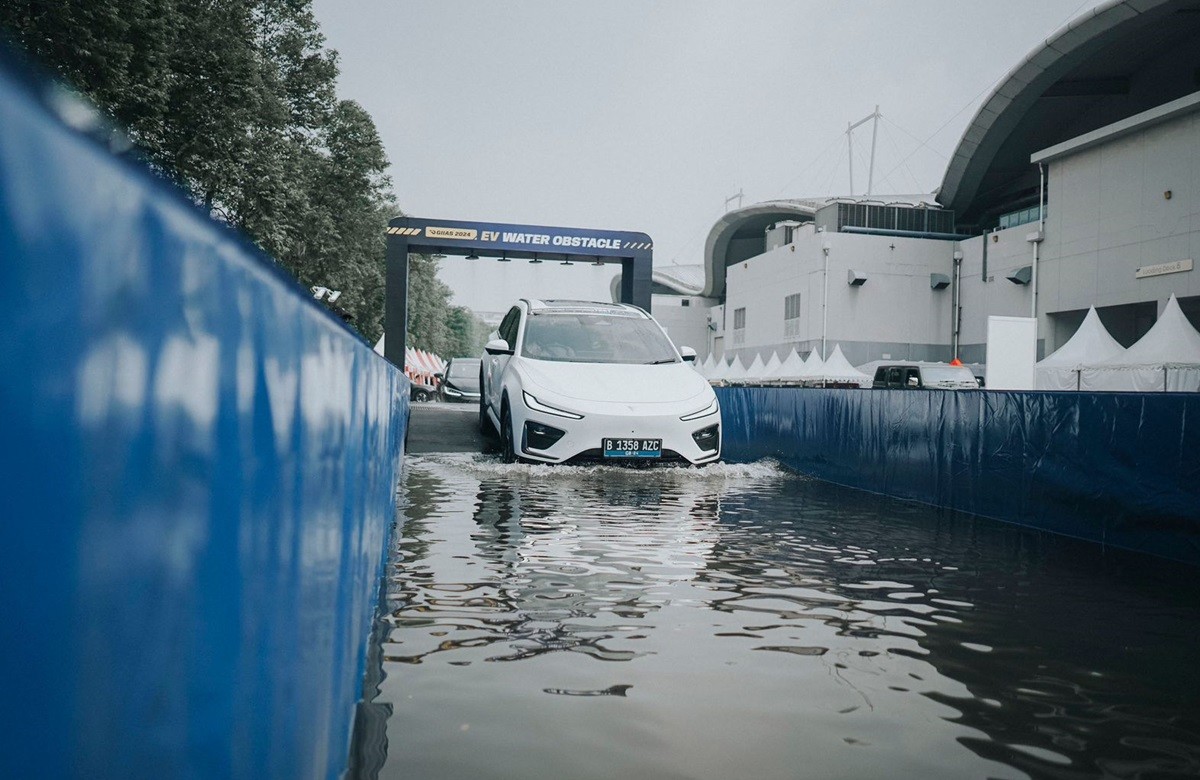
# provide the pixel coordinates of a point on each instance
(508, 452)
(421, 396)
(485, 423)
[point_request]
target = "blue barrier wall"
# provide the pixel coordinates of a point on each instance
(198, 473)
(1118, 468)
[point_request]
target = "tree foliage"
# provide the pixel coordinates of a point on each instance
(235, 101)
(434, 325)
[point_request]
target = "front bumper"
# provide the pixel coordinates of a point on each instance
(583, 439)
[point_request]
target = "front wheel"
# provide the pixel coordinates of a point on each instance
(485, 423)
(508, 452)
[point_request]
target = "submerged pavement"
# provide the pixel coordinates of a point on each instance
(445, 427)
(744, 621)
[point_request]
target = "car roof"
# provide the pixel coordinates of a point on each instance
(911, 364)
(565, 306)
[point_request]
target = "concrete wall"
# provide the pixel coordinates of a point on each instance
(894, 313)
(1109, 215)
(687, 325)
(992, 294)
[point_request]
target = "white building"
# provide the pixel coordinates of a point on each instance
(1076, 184)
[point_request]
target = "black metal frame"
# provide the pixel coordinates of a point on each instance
(406, 235)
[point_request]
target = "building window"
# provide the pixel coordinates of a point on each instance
(1022, 217)
(739, 327)
(791, 316)
(685, 302)
(909, 219)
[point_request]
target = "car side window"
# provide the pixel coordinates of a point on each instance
(893, 377)
(508, 328)
(912, 377)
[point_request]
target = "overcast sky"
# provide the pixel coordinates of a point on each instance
(644, 115)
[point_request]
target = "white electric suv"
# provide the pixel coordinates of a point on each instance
(577, 380)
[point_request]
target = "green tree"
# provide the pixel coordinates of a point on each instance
(467, 332)
(235, 101)
(428, 307)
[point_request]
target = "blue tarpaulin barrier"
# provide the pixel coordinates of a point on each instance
(1122, 469)
(199, 468)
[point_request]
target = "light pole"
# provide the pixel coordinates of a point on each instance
(825, 247)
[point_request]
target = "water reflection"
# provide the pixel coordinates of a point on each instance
(741, 621)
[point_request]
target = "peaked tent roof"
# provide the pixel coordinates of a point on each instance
(1172, 341)
(1092, 343)
(755, 371)
(791, 368)
(812, 367)
(718, 371)
(838, 369)
(736, 370)
(771, 366)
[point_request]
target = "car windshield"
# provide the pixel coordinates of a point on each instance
(595, 338)
(461, 369)
(947, 374)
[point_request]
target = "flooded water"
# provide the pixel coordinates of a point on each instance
(744, 622)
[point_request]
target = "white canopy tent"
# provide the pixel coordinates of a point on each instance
(737, 371)
(755, 372)
(771, 366)
(1166, 358)
(790, 370)
(718, 372)
(1091, 344)
(813, 367)
(705, 367)
(838, 369)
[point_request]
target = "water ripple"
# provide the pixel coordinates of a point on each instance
(737, 620)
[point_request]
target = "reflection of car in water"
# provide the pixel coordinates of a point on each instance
(579, 380)
(930, 376)
(459, 381)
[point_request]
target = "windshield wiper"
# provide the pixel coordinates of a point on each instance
(660, 362)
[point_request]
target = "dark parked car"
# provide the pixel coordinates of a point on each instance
(931, 376)
(460, 381)
(422, 392)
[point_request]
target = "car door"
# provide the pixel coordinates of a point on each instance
(494, 365)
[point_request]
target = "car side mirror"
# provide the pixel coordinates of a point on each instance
(498, 347)
(913, 381)
(688, 354)
(439, 375)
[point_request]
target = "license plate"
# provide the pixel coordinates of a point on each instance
(633, 448)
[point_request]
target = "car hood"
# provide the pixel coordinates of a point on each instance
(617, 382)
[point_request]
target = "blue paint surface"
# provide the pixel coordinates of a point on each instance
(198, 467)
(1122, 469)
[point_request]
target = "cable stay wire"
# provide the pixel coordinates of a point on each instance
(914, 137)
(807, 166)
(912, 177)
(990, 87)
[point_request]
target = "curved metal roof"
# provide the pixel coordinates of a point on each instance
(748, 221)
(1116, 60)
(679, 279)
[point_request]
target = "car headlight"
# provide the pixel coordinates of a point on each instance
(538, 406)
(712, 408)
